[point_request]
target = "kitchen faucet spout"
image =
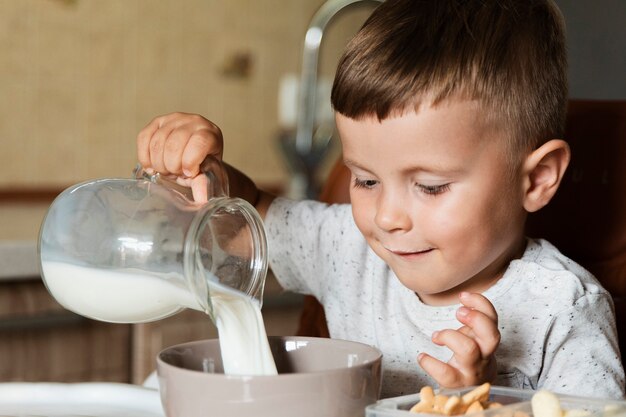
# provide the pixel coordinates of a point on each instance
(308, 82)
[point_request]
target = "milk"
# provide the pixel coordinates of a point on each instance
(127, 296)
(243, 341)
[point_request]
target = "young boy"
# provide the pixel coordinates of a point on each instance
(449, 114)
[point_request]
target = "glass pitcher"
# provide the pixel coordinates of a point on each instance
(138, 250)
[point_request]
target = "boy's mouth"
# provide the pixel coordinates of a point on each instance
(409, 253)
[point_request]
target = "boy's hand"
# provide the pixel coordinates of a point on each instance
(473, 345)
(176, 144)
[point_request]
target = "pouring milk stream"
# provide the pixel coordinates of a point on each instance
(138, 250)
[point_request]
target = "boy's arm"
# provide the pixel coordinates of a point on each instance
(242, 186)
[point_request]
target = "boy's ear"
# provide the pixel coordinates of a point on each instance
(543, 171)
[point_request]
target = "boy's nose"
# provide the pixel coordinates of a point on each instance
(392, 213)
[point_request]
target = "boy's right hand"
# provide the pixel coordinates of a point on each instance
(473, 345)
(176, 144)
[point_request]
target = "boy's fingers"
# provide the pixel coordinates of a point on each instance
(199, 187)
(445, 375)
(173, 150)
(157, 149)
(467, 331)
(483, 329)
(481, 316)
(479, 302)
(172, 120)
(143, 143)
(196, 150)
(178, 143)
(466, 350)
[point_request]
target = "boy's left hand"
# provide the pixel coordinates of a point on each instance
(473, 345)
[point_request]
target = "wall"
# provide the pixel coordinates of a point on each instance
(597, 48)
(80, 78)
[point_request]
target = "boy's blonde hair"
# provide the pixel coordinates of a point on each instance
(510, 55)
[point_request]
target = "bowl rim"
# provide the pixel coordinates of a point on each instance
(366, 364)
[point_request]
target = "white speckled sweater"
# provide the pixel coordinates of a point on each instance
(557, 323)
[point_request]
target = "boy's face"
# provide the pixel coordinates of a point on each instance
(433, 195)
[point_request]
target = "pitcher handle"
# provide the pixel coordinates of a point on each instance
(218, 185)
(213, 168)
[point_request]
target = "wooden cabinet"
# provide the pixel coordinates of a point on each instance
(148, 339)
(41, 341)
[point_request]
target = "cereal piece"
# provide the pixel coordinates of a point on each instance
(473, 401)
(480, 393)
(474, 407)
(427, 394)
(422, 407)
(611, 409)
(440, 401)
(546, 404)
(451, 407)
(576, 412)
(427, 399)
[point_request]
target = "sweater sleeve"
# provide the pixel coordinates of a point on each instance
(581, 353)
(303, 241)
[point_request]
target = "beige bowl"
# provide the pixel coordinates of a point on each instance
(317, 378)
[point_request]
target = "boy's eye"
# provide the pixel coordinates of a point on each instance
(433, 189)
(358, 183)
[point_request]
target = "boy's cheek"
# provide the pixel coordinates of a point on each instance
(364, 213)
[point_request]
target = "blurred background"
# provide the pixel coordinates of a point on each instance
(80, 78)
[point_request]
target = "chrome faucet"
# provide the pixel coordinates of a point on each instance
(308, 79)
(305, 149)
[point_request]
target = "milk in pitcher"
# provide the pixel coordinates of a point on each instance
(127, 296)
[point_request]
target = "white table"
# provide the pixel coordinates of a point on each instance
(92, 399)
